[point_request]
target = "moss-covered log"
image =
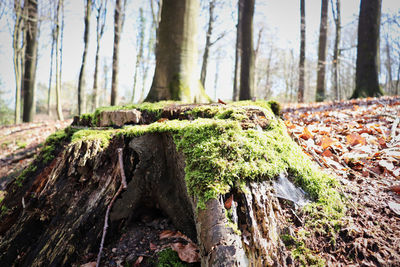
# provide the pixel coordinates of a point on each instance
(209, 168)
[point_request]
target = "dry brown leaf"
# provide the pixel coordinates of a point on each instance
(187, 253)
(138, 261)
(228, 202)
(395, 188)
(327, 153)
(388, 165)
(327, 142)
(89, 264)
(355, 139)
(152, 246)
(306, 134)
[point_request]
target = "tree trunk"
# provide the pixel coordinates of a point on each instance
(100, 23)
(82, 79)
(367, 66)
(389, 85)
(176, 55)
(30, 60)
(336, 51)
(211, 21)
(323, 34)
(300, 93)
(119, 17)
(60, 21)
(53, 40)
(17, 58)
(57, 212)
(140, 47)
(247, 57)
(238, 52)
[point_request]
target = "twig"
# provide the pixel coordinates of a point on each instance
(121, 187)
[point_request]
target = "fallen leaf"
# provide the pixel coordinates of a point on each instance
(355, 139)
(388, 165)
(162, 120)
(327, 142)
(228, 202)
(89, 264)
(221, 102)
(152, 246)
(138, 261)
(327, 153)
(395, 207)
(395, 188)
(187, 253)
(306, 134)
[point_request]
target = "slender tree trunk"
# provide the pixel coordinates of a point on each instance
(247, 57)
(367, 66)
(82, 80)
(100, 23)
(30, 60)
(176, 55)
(389, 86)
(323, 30)
(336, 50)
(118, 24)
(300, 93)
(140, 46)
(256, 93)
(268, 74)
(18, 47)
(238, 52)
(53, 40)
(60, 9)
(211, 21)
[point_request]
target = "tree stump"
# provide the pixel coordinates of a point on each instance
(54, 212)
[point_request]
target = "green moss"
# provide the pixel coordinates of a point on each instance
(2, 195)
(47, 152)
(178, 89)
(304, 255)
(103, 136)
(169, 258)
(21, 144)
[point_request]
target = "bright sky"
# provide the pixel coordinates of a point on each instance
(280, 16)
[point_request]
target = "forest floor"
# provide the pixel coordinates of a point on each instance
(358, 141)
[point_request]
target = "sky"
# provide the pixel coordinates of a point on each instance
(280, 16)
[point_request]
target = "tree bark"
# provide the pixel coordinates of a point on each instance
(323, 34)
(60, 9)
(367, 66)
(211, 21)
(119, 17)
(30, 60)
(300, 93)
(247, 56)
(82, 80)
(18, 47)
(176, 55)
(53, 40)
(100, 24)
(140, 51)
(336, 50)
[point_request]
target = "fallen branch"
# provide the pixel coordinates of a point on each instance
(121, 187)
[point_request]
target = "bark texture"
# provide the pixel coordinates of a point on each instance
(247, 57)
(82, 82)
(176, 54)
(336, 50)
(323, 34)
(28, 85)
(367, 66)
(236, 78)
(300, 93)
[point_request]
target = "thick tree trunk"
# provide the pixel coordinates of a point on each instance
(300, 93)
(238, 52)
(175, 76)
(323, 34)
(28, 86)
(247, 57)
(82, 81)
(367, 66)
(57, 211)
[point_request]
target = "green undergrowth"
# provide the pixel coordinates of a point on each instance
(169, 258)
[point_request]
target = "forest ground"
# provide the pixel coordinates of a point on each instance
(358, 141)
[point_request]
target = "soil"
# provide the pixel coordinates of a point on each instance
(358, 141)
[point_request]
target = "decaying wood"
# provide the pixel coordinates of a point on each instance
(66, 201)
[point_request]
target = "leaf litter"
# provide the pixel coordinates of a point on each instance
(359, 142)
